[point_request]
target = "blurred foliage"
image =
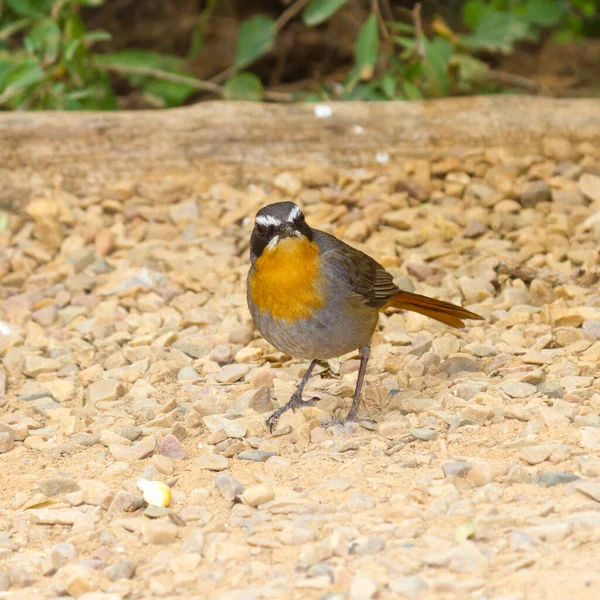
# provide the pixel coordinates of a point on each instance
(48, 58)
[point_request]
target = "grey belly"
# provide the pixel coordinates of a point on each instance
(329, 333)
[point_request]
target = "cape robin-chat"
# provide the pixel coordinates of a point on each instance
(315, 297)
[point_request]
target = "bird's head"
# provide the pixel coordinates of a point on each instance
(276, 222)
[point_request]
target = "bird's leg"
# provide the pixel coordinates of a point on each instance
(296, 399)
(364, 353)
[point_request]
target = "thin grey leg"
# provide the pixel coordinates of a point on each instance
(364, 352)
(296, 399)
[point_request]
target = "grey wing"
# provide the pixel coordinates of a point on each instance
(363, 276)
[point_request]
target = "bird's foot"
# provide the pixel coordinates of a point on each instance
(351, 418)
(294, 403)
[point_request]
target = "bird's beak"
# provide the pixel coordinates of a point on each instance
(286, 231)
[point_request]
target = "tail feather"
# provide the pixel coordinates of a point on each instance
(445, 312)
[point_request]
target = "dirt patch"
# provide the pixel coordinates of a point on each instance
(124, 325)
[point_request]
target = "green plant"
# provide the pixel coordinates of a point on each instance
(49, 60)
(54, 67)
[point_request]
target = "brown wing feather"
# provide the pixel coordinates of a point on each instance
(375, 287)
(365, 276)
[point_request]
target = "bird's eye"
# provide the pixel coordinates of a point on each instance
(260, 229)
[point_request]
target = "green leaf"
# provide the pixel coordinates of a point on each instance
(140, 58)
(91, 2)
(74, 29)
(545, 13)
(470, 69)
(367, 91)
(497, 32)
(257, 37)
(13, 27)
(401, 27)
(587, 7)
(319, 11)
(173, 94)
(24, 74)
(413, 71)
(29, 8)
(6, 66)
(197, 38)
(435, 66)
(472, 13)
(312, 97)
(44, 39)
(21, 77)
(388, 85)
(97, 35)
(245, 86)
(411, 91)
(367, 47)
(408, 43)
(70, 49)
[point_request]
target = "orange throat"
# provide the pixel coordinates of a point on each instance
(285, 280)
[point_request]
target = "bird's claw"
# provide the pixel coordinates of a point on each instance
(294, 403)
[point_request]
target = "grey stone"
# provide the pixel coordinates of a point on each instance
(6, 442)
(367, 544)
(410, 587)
(551, 389)
(261, 400)
(535, 192)
(228, 487)
(126, 502)
(425, 434)
(171, 447)
(256, 455)
(61, 554)
(456, 468)
(54, 486)
(188, 374)
(518, 389)
(458, 364)
(591, 328)
(137, 451)
(124, 569)
(359, 501)
(130, 432)
(212, 462)
(232, 373)
(547, 479)
(104, 390)
(194, 543)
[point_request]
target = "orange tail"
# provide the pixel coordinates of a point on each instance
(447, 313)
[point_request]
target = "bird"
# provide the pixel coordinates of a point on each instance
(314, 297)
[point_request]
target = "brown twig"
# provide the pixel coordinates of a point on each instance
(224, 75)
(289, 13)
(376, 8)
(419, 45)
(197, 84)
(510, 79)
(387, 9)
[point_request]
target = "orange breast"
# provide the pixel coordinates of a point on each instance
(285, 280)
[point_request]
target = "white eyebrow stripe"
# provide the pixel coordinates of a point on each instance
(294, 214)
(267, 220)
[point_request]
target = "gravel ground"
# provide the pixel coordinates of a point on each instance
(128, 352)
